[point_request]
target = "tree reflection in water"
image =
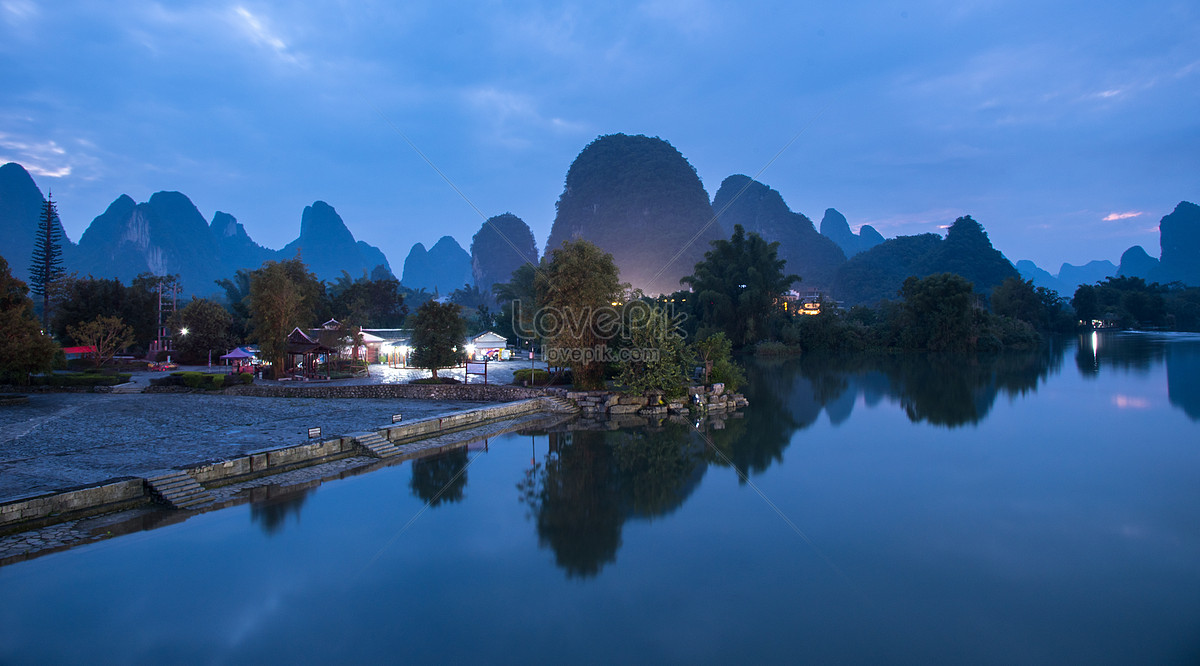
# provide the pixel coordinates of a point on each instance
(591, 482)
(948, 390)
(441, 478)
(270, 511)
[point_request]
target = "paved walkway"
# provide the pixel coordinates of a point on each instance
(60, 440)
(32, 543)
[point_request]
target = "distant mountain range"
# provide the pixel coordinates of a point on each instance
(636, 197)
(1179, 240)
(168, 235)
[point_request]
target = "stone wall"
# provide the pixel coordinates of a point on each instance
(45, 509)
(271, 461)
(33, 512)
(401, 432)
(467, 392)
(699, 398)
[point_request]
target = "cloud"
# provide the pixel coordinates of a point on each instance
(1113, 217)
(512, 114)
(19, 10)
(258, 31)
(45, 158)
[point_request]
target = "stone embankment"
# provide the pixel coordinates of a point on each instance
(700, 399)
(116, 494)
(467, 392)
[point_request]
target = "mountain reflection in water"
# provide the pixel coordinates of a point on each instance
(591, 482)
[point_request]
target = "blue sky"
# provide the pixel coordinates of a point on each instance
(1067, 129)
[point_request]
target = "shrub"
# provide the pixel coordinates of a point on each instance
(773, 348)
(192, 379)
(435, 380)
(82, 379)
(534, 376)
(246, 377)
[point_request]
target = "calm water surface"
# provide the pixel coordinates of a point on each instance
(1039, 508)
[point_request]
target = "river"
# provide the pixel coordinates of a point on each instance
(1031, 508)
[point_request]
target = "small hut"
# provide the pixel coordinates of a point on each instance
(303, 355)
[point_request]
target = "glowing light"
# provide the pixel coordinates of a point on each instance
(1129, 402)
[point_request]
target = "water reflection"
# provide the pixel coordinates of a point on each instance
(270, 507)
(1183, 377)
(944, 390)
(441, 478)
(590, 482)
(1142, 352)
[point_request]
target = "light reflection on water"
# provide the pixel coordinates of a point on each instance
(946, 509)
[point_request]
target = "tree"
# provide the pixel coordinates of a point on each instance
(1086, 304)
(46, 263)
(576, 289)
(518, 305)
(939, 313)
(237, 291)
(737, 285)
(715, 352)
(207, 325)
(438, 331)
(108, 335)
(24, 348)
(375, 302)
(1018, 299)
(469, 297)
(283, 296)
(656, 357)
(84, 299)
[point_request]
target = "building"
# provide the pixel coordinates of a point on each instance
(487, 345)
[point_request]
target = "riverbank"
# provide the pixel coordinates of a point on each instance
(64, 440)
(228, 484)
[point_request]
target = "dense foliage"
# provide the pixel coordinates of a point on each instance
(1129, 302)
(207, 325)
(877, 274)
(880, 272)
(24, 349)
(714, 353)
(84, 299)
(438, 332)
(940, 312)
(369, 302)
(737, 286)
(577, 283)
(283, 295)
(1040, 307)
(657, 358)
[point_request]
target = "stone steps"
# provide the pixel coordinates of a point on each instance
(128, 387)
(377, 445)
(179, 490)
(560, 405)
